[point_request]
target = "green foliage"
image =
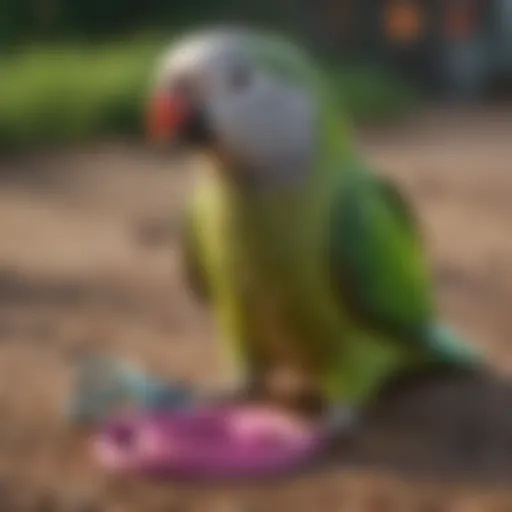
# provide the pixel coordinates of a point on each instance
(74, 92)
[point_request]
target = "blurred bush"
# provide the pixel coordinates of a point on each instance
(60, 93)
(65, 93)
(372, 94)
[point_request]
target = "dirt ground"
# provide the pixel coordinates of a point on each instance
(85, 261)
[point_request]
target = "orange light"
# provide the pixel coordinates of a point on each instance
(404, 21)
(460, 21)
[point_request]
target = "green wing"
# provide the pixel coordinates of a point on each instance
(192, 264)
(377, 260)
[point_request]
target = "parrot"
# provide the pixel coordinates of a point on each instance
(308, 260)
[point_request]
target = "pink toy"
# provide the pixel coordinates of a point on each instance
(213, 443)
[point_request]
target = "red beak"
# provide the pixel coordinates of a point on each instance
(166, 114)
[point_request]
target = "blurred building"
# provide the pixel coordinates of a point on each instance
(455, 46)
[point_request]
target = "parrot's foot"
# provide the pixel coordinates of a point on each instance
(340, 420)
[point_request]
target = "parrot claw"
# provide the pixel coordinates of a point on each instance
(340, 419)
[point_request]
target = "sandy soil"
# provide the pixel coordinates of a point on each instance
(88, 259)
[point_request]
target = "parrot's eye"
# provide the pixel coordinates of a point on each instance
(241, 77)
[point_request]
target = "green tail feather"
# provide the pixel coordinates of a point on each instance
(452, 348)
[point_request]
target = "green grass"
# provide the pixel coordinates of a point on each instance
(73, 93)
